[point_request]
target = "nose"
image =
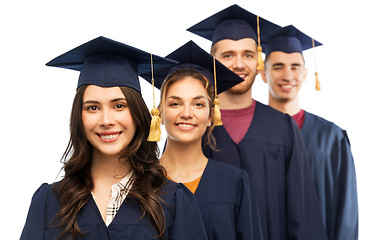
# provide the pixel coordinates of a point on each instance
(106, 118)
(288, 74)
(186, 112)
(239, 63)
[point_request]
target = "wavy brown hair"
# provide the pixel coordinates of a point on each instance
(74, 190)
(177, 75)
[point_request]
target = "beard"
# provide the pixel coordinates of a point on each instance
(242, 87)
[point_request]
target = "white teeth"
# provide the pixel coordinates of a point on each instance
(185, 125)
(287, 86)
(242, 76)
(109, 136)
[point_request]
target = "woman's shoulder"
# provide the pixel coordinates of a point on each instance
(36, 219)
(42, 192)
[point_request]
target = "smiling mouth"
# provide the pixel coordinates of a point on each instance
(287, 87)
(242, 75)
(185, 125)
(109, 137)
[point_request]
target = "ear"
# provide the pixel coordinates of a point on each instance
(263, 76)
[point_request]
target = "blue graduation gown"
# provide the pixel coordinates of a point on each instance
(274, 155)
(182, 216)
(228, 203)
(333, 169)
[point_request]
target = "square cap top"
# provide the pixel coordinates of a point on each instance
(287, 39)
(232, 23)
(108, 63)
(191, 56)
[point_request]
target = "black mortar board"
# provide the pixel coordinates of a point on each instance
(108, 63)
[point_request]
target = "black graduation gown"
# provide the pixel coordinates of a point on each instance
(182, 218)
(333, 169)
(274, 155)
(228, 203)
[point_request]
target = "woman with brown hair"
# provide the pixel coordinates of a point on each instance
(225, 194)
(114, 186)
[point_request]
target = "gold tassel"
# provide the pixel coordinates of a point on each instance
(318, 86)
(217, 120)
(155, 128)
(260, 61)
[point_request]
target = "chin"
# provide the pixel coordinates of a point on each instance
(241, 88)
(185, 141)
(238, 90)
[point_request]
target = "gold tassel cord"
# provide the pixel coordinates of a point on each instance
(217, 120)
(318, 85)
(155, 128)
(260, 61)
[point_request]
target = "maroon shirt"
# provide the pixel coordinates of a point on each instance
(299, 118)
(237, 121)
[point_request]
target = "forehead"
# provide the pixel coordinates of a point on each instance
(285, 58)
(245, 44)
(102, 93)
(187, 87)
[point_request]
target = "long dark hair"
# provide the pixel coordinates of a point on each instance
(187, 72)
(74, 189)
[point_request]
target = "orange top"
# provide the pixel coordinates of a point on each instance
(192, 186)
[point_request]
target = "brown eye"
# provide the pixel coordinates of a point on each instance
(120, 106)
(92, 108)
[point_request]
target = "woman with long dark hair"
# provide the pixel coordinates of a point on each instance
(114, 186)
(225, 194)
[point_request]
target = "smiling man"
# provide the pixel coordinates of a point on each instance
(257, 138)
(327, 145)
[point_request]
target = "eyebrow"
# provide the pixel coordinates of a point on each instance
(233, 51)
(282, 64)
(194, 98)
(97, 102)
(277, 65)
(227, 52)
(199, 97)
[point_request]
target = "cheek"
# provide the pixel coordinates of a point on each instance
(273, 77)
(126, 120)
(169, 116)
(301, 77)
(252, 63)
(204, 116)
(87, 121)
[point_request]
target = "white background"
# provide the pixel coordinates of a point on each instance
(36, 100)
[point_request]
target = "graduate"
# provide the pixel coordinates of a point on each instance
(327, 145)
(257, 138)
(224, 193)
(114, 186)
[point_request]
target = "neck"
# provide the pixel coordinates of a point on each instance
(183, 162)
(228, 100)
(108, 169)
(290, 107)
